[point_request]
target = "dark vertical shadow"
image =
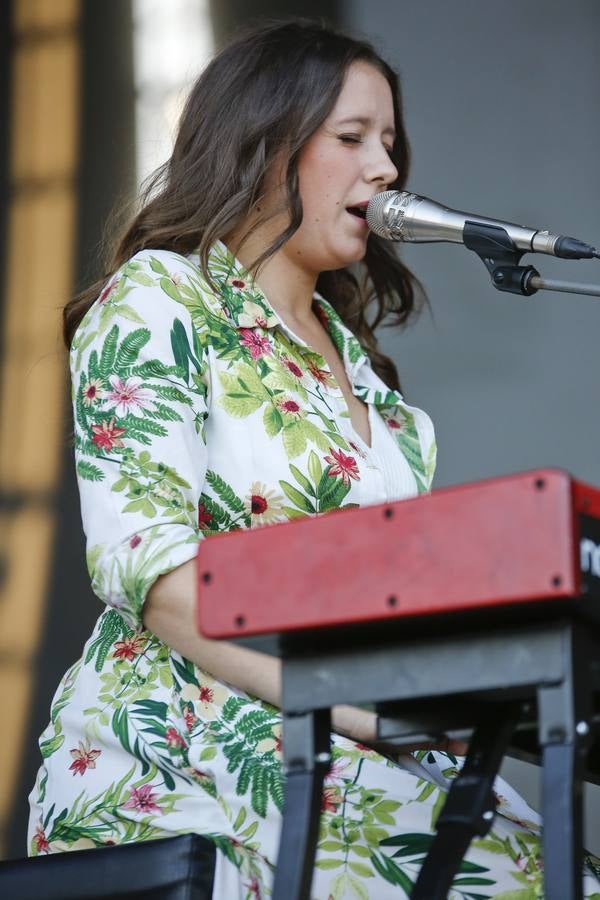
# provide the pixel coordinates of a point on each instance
(5, 90)
(106, 174)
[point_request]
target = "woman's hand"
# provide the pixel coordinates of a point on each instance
(361, 725)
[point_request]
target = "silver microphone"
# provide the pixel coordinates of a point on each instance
(402, 216)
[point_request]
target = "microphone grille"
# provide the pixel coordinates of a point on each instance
(375, 213)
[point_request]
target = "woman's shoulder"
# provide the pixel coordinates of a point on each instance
(151, 286)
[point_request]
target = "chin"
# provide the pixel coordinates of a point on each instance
(346, 256)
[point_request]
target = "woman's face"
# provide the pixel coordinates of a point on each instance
(343, 164)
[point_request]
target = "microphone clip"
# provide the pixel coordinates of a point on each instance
(501, 258)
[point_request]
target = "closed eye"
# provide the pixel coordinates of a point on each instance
(355, 139)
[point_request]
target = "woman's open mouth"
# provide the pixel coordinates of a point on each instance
(359, 211)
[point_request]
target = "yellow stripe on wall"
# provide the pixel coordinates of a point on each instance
(38, 279)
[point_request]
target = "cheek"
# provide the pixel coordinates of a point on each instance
(320, 188)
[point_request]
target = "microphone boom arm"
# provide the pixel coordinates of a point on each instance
(501, 257)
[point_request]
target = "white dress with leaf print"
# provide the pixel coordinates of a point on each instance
(198, 412)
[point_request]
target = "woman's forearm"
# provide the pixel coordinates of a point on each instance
(169, 613)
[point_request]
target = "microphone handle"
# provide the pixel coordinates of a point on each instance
(418, 219)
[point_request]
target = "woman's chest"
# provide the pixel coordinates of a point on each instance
(282, 443)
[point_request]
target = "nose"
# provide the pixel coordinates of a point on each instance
(380, 167)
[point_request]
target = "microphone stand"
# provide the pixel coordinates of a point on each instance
(501, 258)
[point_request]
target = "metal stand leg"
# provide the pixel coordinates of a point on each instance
(563, 826)
(469, 807)
(307, 759)
(564, 716)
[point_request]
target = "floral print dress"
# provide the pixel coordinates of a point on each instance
(198, 411)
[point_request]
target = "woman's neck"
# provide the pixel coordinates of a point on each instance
(287, 285)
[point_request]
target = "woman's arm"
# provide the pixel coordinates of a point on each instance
(170, 614)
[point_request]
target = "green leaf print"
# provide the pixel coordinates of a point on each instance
(157, 266)
(240, 406)
(130, 348)
(225, 492)
(294, 439)
(171, 393)
(112, 628)
(139, 278)
(219, 516)
(186, 671)
(407, 439)
(166, 413)
(153, 368)
(259, 774)
(302, 480)
(272, 420)
(519, 894)
(231, 708)
(297, 497)
(181, 349)
(88, 471)
(392, 873)
(315, 469)
(171, 289)
(109, 352)
(410, 843)
(93, 367)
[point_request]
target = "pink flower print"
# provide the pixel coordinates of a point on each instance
(84, 758)
(337, 769)
(129, 648)
(40, 840)
(254, 315)
(320, 314)
(323, 376)
(253, 887)
(257, 343)
(190, 718)
(135, 541)
(143, 800)
(258, 505)
(357, 450)
(394, 423)
(342, 465)
(174, 739)
(290, 407)
(108, 290)
(264, 505)
(204, 517)
(330, 799)
(292, 366)
(238, 284)
(128, 396)
(208, 697)
(107, 435)
(92, 391)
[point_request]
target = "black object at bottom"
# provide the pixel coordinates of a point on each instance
(178, 868)
(469, 807)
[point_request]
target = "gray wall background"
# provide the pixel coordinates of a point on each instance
(502, 108)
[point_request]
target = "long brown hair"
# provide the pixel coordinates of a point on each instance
(271, 87)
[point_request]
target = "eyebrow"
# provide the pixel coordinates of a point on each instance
(365, 120)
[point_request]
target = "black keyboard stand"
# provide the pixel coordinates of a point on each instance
(532, 681)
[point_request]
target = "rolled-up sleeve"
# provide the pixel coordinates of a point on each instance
(140, 390)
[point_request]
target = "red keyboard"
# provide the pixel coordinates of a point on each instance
(518, 539)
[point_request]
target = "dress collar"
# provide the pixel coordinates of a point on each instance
(246, 306)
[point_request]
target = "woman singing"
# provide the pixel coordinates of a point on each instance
(226, 375)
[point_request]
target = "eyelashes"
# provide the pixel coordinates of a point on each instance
(356, 139)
